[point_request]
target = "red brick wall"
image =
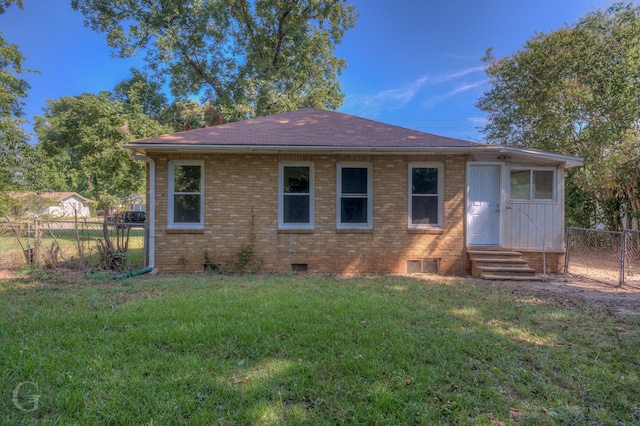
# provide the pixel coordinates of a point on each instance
(241, 207)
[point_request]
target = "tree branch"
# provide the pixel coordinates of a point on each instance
(213, 82)
(281, 33)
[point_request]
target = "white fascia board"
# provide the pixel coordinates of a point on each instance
(267, 149)
(568, 160)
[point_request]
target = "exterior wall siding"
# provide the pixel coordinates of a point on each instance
(521, 218)
(241, 208)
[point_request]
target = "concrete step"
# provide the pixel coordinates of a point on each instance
(510, 265)
(510, 277)
(500, 270)
(493, 254)
(492, 262)
(499, 264)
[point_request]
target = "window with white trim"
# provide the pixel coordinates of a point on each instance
(355, 202)
(295, 195)
(532, 184)
(426, 201)
(186, 194)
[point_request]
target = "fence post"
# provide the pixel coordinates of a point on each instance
(36, 237)
(28, 242)
(567, 251)
(623, 255)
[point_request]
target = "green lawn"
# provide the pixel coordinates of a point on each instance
(308, 350)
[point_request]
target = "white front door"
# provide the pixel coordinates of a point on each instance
(483, 206)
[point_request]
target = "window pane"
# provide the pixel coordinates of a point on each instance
(186, 179)
(296, 180)
(354, 180)
(186, 208)
(424, 180)
(296, 209)
(520, 184)
(353, 210)
(424, 210)
(543, 184)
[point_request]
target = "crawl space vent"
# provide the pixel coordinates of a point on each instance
(423, 266)
(299, 267)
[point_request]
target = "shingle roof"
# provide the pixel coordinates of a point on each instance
(61, 196)
(308, 127)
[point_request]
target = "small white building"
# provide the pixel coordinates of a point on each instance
(65, 204)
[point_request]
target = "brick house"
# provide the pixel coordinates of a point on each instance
(329, 192)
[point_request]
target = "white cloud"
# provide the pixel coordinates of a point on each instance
(464, 87)
(394, 98)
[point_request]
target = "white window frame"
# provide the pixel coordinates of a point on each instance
(531, 198)
(368, 196)
(281, 195)
(440, 168)
(170, 203)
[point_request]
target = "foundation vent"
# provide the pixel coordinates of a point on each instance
(299, 267)
(423, 266)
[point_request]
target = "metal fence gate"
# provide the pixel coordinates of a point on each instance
(606, 256)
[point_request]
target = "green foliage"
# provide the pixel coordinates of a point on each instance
(4, 4)
(85, 134)
(311, 350)
(248, 58)
(575, 91)
(13, 139)
(141, 91)
(580, 209)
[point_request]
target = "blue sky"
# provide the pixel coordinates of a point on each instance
(412, 63)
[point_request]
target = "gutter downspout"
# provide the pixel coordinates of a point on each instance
(151, 213)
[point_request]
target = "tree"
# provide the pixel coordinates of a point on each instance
(576, 91)
(247, 58)
(4, 4)
(13, 89)
(85, 134)
(143, 91)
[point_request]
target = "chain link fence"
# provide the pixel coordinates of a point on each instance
(69, 244)
(605, 256)
(14, 244)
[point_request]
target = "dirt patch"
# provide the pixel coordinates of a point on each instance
(8, 274)
(567, 290)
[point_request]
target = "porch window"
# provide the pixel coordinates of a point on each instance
(532, 185)
(186, 192)
(426, 188)
(295, 195)
(354, 196)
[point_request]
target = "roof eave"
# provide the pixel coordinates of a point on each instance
(144, 149)
(292, 149)
(568, 160)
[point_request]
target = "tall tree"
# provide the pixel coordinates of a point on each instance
(576, 91)
(144, 91)
(85, 134)
(247, 57)
(13, 89)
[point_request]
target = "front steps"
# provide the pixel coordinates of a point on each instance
(500, 264)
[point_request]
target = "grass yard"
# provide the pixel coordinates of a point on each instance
(308, 350)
